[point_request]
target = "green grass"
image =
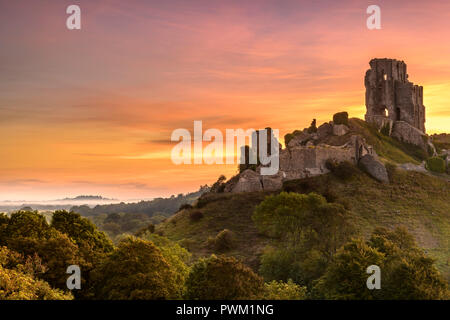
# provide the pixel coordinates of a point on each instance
(417, 201)
(385, 146)
(220, 211)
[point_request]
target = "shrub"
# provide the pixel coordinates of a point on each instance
(219, 185)
(340, 118)
(330, 195)
(222, 278)
(344, 170)
(435, 164)
(224, 240)
(305, 185)
(195, 215)
(331, 164)
(185, 206)
(288, 137)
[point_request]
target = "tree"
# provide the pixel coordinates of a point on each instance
(175, 255)
(17, 280)
(346, 276)
(308, 231)
(93, 244)
(406, 273)
(26, 224)
(222, 278)
(135, 270)
(28, 233)
(81, 230)
(279, 290)
(4, 219)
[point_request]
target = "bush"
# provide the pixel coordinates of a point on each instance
(185, 206)
(343, 170)
(305, 185)
(195, 215)
(150, 229)
(330, 195)
(288, 137)
(331, 164)
(340, 118)
(219, 185)
(435, 164)
(222, 278)
(224, 240)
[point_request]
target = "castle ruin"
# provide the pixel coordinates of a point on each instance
(394, 103)
(388, 90)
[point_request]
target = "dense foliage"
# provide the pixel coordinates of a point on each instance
(18, 279)
(406, 273)
(340, 118)
(135, 270)
(308, 231)
(222, 278)
(436, 164)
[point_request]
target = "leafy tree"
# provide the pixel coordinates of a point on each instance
(17, 281)
(4, 220)
(27, 224)
(309, 231)
(175, 255)
(81, 230)
(406, 273)
(92, 243)
(28, 233)
(279, 290)
(222, 278)
(280, 264)
(135, 270)
(346, 277)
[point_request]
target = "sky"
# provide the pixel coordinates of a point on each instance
(91, 111)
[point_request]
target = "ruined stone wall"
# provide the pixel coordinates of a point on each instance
(390, 96)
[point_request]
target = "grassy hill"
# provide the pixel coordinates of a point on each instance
(418, 201)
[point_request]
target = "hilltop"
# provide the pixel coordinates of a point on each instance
(414, 198)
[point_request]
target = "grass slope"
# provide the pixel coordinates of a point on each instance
(418, 201)
(415, 200)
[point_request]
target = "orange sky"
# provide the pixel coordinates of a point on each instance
(92, 111)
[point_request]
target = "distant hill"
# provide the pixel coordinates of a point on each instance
(157, 205)
(120, 218)
(88, 198)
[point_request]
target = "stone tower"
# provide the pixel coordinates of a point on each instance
(390, 97)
